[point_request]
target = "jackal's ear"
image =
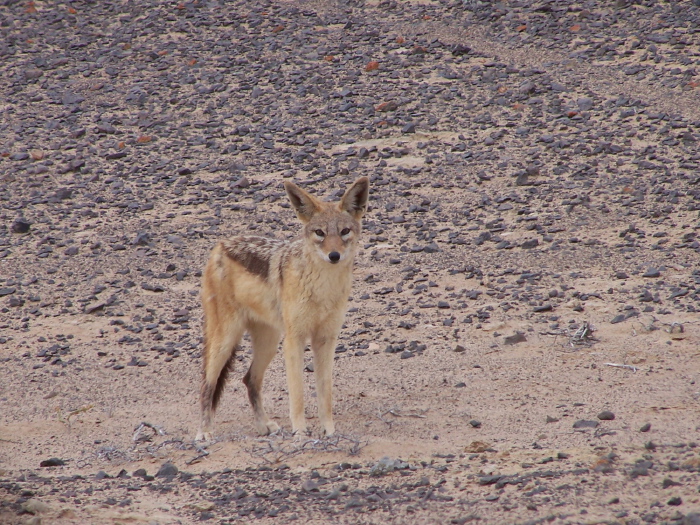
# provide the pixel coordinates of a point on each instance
(355, 199)
(304, 204)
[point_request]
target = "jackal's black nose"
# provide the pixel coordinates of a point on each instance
(334, 257)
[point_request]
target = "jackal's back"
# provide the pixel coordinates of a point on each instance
(260, 256)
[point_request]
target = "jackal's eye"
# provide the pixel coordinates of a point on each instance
(320, 233)
(344, 231)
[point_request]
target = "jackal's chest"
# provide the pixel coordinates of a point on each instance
(320, 288)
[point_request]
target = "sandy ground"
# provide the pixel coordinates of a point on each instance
(508, 356)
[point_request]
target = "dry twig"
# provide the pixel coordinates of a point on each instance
(617, 365)
(274, 450)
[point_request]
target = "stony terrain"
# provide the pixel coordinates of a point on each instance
(522, 341)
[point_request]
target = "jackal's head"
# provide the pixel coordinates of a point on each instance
(333, 228)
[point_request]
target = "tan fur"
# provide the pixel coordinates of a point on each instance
(268, 287)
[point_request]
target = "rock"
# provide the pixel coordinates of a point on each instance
(167, 470)
(459, 349)
(652, 272)
(477, 447)
(52, 462)
(8, 290)
(70, 98)
(32, 73)
(646, 427)
(606, 415)
(618, 319)
(583, 423)
(143, 474)
(460, 49)
(585, 103)
(692, 518)
(142, 239)
(387, 106)
(409, 128)
(514, 339)
(64, 193)
(386, 465)
(20, 226)
(72, 250)
(489, 480)
(475, 423)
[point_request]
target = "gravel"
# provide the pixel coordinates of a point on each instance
(534, 167)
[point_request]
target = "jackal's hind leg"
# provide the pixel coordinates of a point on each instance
(265, 340)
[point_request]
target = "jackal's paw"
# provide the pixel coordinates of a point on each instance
(301, 434)
(267, 427)
(204, 436)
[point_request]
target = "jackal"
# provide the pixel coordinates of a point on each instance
(267, 287)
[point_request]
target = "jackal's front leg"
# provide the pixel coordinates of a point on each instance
(293, 348)
(323, 347)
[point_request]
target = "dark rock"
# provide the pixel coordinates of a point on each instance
(668, 482)
(70, 98)
(489, 480)
(692, 518)
(52, 462)
(652, 272)
(584, 423)
(167, 470)
(514, 339)
(585, 103)
(8, 290)
(143, 474)
(646, 427)
(20, 226)
(142, 239)
(460, 49)
(475, 423)
(606, 415)
(64, 193)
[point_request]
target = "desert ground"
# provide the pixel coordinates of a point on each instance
(522, 341)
